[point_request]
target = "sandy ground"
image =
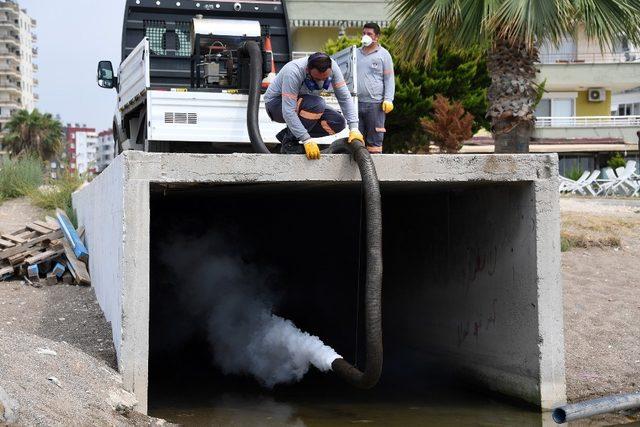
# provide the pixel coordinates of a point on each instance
(602, 300)
(57, 360)
(601, 309)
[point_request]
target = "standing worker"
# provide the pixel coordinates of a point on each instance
(376, 87)
(292, 99)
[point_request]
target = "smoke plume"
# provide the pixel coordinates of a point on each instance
(233, 295)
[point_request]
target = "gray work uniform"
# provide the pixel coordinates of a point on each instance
(376, 83)
(284, 102)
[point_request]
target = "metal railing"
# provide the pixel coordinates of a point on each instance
(590, 57)
(587, 121)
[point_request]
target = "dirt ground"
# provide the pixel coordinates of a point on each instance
(602, 298)
(600, 272)
(57, 359)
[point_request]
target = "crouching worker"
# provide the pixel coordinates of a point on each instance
(292, 99)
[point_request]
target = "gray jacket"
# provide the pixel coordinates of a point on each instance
(376, 80)
(289, 83)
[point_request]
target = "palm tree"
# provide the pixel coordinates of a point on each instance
(511, 30)
(33, 134)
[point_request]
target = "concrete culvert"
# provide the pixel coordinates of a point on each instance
(470, 254)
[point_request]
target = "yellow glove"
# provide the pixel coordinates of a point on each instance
(387, 107)
(355, 135)
(312, 150)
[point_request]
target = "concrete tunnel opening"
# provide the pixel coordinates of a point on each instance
(459, 279)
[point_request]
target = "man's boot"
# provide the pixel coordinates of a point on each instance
(289, 144)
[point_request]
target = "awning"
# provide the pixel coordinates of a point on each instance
(306, 23)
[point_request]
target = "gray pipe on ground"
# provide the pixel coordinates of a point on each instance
(588, 408)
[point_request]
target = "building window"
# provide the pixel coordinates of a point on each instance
(631, 109)
(555, 107)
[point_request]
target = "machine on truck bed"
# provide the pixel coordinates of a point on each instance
(184, 79)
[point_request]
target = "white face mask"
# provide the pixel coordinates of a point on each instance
(366, 41)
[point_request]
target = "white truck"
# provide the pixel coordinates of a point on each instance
(183, 82)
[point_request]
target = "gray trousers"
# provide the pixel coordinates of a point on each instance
(315, 116)
(371, 124)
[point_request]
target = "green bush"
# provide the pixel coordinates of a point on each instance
(57, 194)
(574, 173)
(616, 161)
(460, 75)
(19, 176)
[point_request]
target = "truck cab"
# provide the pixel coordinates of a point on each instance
(182, 84)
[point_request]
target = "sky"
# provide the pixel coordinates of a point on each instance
(73, 35)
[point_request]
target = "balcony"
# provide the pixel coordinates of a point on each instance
(34, 51)
(588, 121)
(36, 96)
(593, 57)
(35, 67)
(619, 127)
(34, 37)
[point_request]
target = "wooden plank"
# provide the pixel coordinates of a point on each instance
(52, 235)
(44, 256)
(72, 236)
(39, 229)
(19, 258)
(13, 238)
(28, 235)
(6, 243)
(52, 222)
(43, 224)
(6, 270)
(77, 267)
(81, 233)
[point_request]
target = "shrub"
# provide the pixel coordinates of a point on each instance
(574, 173)
(616, 161)
(57, 194)
(460, 75)
(19, 176)
(450, 126)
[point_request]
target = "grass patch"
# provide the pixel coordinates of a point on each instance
(19, 177)
(57, 194)
(569, 240)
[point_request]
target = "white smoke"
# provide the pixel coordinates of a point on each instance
(245, 336)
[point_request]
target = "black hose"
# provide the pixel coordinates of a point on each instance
(373, 289)
(603, 405)
(252, 49)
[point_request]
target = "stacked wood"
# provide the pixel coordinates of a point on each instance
(44, 252)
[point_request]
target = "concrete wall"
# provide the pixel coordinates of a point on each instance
(498, 295)
(586, 108)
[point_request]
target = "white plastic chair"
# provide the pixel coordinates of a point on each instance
(570, 185)
(586, 186)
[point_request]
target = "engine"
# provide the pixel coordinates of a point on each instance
(216, 58)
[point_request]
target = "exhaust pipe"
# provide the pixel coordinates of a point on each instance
(373, 289)
(252, 49)
(373, 209)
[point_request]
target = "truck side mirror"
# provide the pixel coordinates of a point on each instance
(106, 79)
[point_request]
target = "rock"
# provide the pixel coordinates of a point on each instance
(55, 381)
(8, 408)
(46, 351)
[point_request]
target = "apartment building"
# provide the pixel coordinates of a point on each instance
(105, 150)
(17, 54)
(81, 149)
(311, 24)
(592, 105)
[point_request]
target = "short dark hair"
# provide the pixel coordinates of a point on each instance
(375, 27)
(319, 61)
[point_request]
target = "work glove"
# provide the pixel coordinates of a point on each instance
(387, 107)
(355, 135)
(312, 150)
